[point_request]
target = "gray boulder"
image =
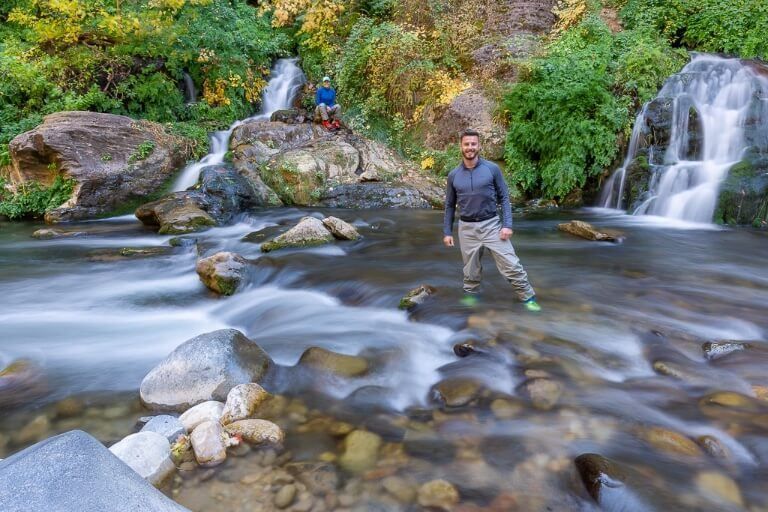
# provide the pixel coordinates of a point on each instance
(223, 272)
(147, 453)
(74, 471)
(204, 368)
(307, 233)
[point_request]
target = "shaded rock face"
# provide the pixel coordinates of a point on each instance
(115, 160)
(373, 195)
(304, 164)
(74, 471)
(204, 368)
(743, 195)
(222, 194)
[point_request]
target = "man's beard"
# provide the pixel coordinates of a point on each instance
(466, 154)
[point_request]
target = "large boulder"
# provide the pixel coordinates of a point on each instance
(308, 232)
(221, 194)
(204, 368)
(304, 164)
(744, 193)
(74, 471)
(114, 160)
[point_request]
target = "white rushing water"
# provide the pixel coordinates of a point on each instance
(685, 183)
(286, 79)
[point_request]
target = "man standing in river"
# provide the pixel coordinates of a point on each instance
(479, 188)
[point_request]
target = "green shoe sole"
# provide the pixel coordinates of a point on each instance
(532, 306)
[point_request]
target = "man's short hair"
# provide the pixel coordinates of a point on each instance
(469, 133)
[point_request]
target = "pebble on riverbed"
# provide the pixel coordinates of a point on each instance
(243, 401)
(256, 432)
(208, 443)
(439, 494)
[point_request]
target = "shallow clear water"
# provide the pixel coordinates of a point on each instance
(621, 331)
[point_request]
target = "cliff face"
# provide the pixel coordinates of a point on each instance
(512, 29)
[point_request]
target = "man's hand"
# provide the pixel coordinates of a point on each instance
(448, 241)
(506, 233)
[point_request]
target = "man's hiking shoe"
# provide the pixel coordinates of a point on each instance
(469, 300)
(532, 305)
(336, 125)
(327, 125)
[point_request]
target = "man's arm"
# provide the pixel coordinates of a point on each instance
(502, 197)
(450, 206)
(317, 96)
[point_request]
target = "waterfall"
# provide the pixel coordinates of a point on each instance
(685, 140)
(286, 79)
(190, 92)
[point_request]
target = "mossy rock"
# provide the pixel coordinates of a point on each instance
(743, 195)
(307, 233)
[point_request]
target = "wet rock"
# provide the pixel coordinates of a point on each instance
(177, 214)
(456, 392)
(206, 411)
(369, 400)
(761, 392)
(285, 496)
(374, 195)
(49, 233)
(669, 441)
(287, 115)
(20, 382)
(256, 432)
(717, 349)
(167, 426)
(33, 431)
(333, 362)
(729, 402)
(204, 368)
(74, 471)
(713, 447)
(223, 272)
(464, 349)
(543, 393)
(744, 192)
(719, 487)
(69, 408)
(428, 445)
(417, 296)
(505, 409)
(340, 229)
(603, 479)
(208, 443)
(400, 488)
(319, 477)
(502, 451)
(147, 453)
(588, 231)
(124, 160)
(361, 450)
(439, 494)
(243, 401)
(307, 233)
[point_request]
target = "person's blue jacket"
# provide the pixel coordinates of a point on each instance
(325, 95)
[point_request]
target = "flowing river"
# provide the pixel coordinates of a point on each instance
(621, 333)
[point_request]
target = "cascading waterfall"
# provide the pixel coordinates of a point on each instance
(285, 82)
(685, 140)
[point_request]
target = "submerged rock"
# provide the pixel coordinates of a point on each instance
(20, 381)
(719, 487)
(74, 471)
(438, 494)
(340, 229)
(243, 401)
(256, 432)
(332, 362)
(669, 441)
(208, 443)
(49, 233)
(543, 393)
(147, 453)
(603, 479)
(204, 368)
(223, 272)
(308, 232)
(717, 349)
(361, 451)
(417, 296)
(588, 231)
(456, 392)
(319, 477)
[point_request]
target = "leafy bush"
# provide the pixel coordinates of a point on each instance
(570, 106)
(735, 27)
(33, 200)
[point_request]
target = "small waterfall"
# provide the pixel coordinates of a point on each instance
(685, 140)
(190, 93)
(286, 79)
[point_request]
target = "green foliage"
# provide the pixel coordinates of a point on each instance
(568, 110)
(735, 27)
(142, 151)
(32, 200)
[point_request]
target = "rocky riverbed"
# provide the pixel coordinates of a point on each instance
(641, 386)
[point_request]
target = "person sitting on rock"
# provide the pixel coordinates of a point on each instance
(327, 108)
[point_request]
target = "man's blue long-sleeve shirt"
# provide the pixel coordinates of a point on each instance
(325, 95)
(478, 192)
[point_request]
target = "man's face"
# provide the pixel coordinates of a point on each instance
(327, 84)
(470, 146)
